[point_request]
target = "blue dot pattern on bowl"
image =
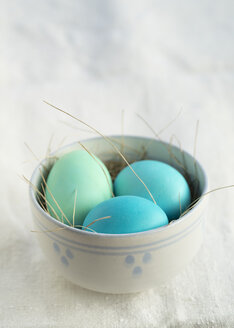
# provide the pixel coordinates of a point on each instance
(137, 270)
(129, 259)
(147, 258)
(69, 253)
(56, 247)
(64, 258)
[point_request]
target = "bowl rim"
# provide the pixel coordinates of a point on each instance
(107, 235)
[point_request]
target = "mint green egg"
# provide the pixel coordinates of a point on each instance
(76, 183)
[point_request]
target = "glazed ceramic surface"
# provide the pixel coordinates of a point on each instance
(128, 262)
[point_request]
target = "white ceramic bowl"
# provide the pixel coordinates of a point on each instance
(128, 262)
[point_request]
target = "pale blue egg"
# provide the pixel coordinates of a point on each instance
(167, 185)
(76, 183)
(127, 214)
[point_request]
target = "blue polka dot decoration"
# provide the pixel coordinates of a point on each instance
(56, 248)
(69, 254)
(64, 260)
(137, 271)
(147, 258)
(129, 259)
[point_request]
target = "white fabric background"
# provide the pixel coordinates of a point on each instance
(95, 58)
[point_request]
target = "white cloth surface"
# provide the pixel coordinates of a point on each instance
(96, 58)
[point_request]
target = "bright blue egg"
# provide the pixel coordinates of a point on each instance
(127, 214)
(167, 185)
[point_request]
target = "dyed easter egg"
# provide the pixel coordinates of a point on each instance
(167, 185)
(125, 214)
(76, 183)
